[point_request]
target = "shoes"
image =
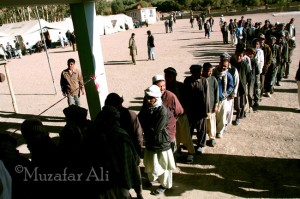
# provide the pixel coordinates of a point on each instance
(250, 109)
(159, 190)
(139, 196)
(190, 159)
(211, 142)
(219, 135)
(179, 150)
(148, 184)
(255, 105)
(278, 84)
(199, 150)
(237, 122)
(267, 94)
(272, 91)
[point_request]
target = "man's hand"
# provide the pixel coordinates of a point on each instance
(82, 91)
(215, 109)
(231, 97)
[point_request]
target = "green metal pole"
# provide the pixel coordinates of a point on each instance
(90, 54)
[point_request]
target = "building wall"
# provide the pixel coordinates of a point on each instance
(143, 14)
(149, 14)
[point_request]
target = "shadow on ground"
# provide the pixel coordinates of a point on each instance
(290, 90)
(242, 176)
(276, 108)
(123, 62)
(64, 51)
(210, 51)
(13, 127)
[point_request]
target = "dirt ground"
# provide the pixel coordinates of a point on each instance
(257, 159)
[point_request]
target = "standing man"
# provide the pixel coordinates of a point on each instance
(259, 57)
(213, 102)
(207, 29)
(224, 31)
(243, 71)
(167, 25)
(150, 44)
(71, 83)
(200, 24)
(232, 29)
(192, 21)
(171, 24)
(267, 60)
(211, 22)
(182, 124)
(197, 105)
(133, 48)
(171, 102)
(225, 84)
(290, 27)
(61, 40)
(68, 36)
(158, 157)
(270, 77)
(291, 46)
(221, 22)
(73, 40)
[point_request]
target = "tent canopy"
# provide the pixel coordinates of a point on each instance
(25, 27)
(64, 25)
(121, 22)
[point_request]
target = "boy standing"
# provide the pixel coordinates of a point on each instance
(213, 102)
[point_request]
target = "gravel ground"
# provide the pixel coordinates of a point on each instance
(257, 159)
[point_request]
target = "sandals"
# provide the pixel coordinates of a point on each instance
(159, 190)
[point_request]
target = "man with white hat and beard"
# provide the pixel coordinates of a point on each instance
(158, 157)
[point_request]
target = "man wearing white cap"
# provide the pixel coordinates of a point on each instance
(222, 20)
(171, 102)
(158, 157)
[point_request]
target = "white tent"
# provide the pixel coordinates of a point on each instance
(129, 22)
(104, 25)
(64, 25)
(28, 31)
(4, 38)
(120, 22)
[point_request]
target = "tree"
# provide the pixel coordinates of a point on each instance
(103, 8)
(117, 6)
(143, 4)
(187, 3)
(196, 4)
(167, 6)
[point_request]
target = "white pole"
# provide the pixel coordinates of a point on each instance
(38, 16)
(12, 94)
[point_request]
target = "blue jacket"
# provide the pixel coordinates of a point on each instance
(230, 85)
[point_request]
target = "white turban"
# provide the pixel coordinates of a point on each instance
(154, 91)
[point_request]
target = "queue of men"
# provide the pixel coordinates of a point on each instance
(104, 155)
